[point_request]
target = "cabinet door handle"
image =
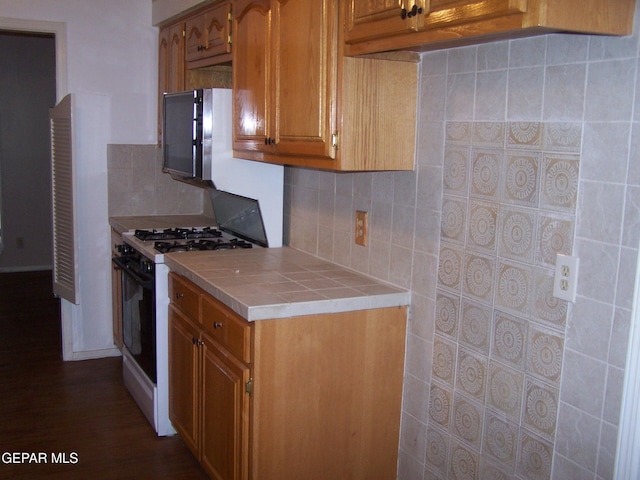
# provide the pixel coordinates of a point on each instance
(179, 295)
(415, 10)
(217, 324)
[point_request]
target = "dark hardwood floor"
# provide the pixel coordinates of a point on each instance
(78, 412)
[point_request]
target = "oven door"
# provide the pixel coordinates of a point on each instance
(139, 317)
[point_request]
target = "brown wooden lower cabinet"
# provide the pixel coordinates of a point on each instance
(313, 397)
(208, 402)
(116, 293)
(184, 378)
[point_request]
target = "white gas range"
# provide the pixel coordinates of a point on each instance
(247, 201)
(145, 295)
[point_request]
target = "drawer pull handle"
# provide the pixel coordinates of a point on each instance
(415, 10)
(217, 324)
(179, 295)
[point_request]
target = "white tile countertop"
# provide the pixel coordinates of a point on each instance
(270, 283)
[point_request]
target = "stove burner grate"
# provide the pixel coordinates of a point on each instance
(200, 245)
(178, 233)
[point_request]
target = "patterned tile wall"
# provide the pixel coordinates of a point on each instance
(563, 85)
(509, 206)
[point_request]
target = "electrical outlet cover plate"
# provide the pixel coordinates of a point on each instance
(565, 282)
(361, 228)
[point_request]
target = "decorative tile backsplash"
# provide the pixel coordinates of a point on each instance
(509, 206)
(551, 116)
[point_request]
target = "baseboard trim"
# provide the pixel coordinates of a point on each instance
(93, 354)
(32, 268)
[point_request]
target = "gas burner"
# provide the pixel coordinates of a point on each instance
(178, 233)
(231, 244)
(199, 245)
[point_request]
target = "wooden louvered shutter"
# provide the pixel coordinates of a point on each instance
(65, 271)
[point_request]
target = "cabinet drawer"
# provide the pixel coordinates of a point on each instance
(227, 328)
(185, 296)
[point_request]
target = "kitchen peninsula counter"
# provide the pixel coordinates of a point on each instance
(271, 283)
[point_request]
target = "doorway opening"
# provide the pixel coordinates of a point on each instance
(27, 91)
(59, 32)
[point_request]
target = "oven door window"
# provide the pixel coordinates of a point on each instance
(138, 323)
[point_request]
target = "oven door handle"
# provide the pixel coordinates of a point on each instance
(145, 282)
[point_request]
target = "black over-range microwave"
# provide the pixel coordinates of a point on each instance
(196, 125)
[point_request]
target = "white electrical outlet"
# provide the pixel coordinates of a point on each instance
(565, 281)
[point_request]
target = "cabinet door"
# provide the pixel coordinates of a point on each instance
(305, 75)
(163, 60)
(116, 302)
(225, 414)
(184, 378)
(367, 19)
(440, 13)
(195, 39)
(163, 73)
(207, 34)
(171, 70)
(175, 64)
(251, 81)
(217, 26)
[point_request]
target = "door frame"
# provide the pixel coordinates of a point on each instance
(59, 30)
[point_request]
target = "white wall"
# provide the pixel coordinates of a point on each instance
(109, 57)
(166, 9)
(112, 50)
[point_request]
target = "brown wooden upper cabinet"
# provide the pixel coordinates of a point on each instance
(208, 34)
(251, 74)
(171, 58)
(298, 101)
(284, 77)
(383, 25)
(171, 66)
(189, 47)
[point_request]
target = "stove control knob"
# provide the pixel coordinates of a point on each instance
(125, 249)
(147, 267)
